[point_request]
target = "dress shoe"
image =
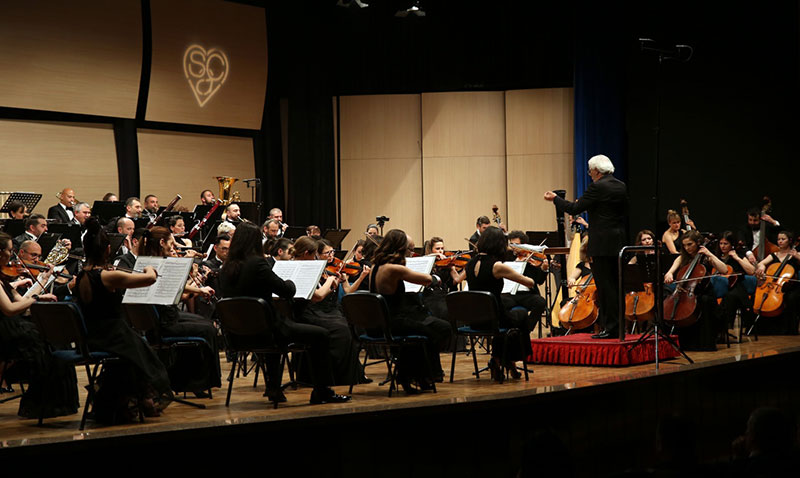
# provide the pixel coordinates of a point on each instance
(327, 395)
(201, 394)
(496, 370)
(603, 335)
(513, 371)
(275, 395)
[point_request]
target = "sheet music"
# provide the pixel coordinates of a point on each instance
(511, 287)
(304, 274)
(172, 275)
(422, 264)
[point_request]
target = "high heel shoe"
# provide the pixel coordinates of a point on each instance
(496, 370)
(513, 371)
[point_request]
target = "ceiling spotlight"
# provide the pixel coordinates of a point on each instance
(351, 3)
(412, 10)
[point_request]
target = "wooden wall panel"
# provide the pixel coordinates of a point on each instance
(539, 139)
(81, 56)
(47, 157)
(222, 29)
(182, 163)
(380, 163)
(463, 150)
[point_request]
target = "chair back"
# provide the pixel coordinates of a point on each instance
(246, 318)
(473, 308)
(143, 318)
(60, 324)
(368, 311)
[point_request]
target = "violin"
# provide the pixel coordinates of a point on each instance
(768, 298)
(457, 259)
(680, 308)
(337, 266)
(640, 305)
(581, 311)
(17, 268)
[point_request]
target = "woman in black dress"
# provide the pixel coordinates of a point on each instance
(485, 272)
(407, 315)
(787, 322)
(323, 310)
(736, 297)
(99, 294)
(20, 340)
(159, 242)
(248, 274)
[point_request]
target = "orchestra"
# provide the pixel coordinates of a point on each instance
(710, 280)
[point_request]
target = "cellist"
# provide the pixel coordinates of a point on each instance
(736, 297)
(787, 322)
(700, 335)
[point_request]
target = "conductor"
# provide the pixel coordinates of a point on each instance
(606, 201)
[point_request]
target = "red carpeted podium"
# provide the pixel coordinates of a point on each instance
(581, 349)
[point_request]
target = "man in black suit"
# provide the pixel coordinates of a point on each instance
(480, 225)
(750, 234)
(35, 226)
(128, 259)
(606, 201)
(62, 212)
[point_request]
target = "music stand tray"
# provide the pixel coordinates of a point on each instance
(30, 200)
(106, 210)
(70, 231)
(116, 239)
(336, 236)
(47, 241)
(293, 232)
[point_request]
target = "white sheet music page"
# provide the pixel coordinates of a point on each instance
(304, 274)
(511, 287)
(172, 275)
(422, 264)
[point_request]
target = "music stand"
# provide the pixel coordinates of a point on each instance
(47, 241)
(14, 227)
(552, 239)
(200, 211)
(293, 232)
(69, 231)
(336, 236)
(548, 238)
(658, 323)
(30, 200)
(251, 211)
(107, 210)
(116, 239)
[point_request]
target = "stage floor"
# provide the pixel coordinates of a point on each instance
(249, 407)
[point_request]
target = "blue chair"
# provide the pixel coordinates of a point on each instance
(368, 311)
(61, 324)
(476, 314)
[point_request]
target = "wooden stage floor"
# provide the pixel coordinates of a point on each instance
(249, 407)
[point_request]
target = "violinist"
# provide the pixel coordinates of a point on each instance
(19, 337)
(407, 315)
(481, 224)
(279, 250)
(314, 231)
(535, 269)
(128, 259)
(671, 235)
(736, 297)
(372, 230)
(702, 334)
(173, 322)
(787, 322)
(323, 310)
(434, 298)
(485, 272)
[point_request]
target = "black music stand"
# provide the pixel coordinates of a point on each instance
(547, 238)
(69, 231)
(47, 241)
(658, 326)
(200, 211)
(251, 211)
(293, 232)
(116, 239)
(107, 210)
(30, 200)
(336, 236)
(14, 227)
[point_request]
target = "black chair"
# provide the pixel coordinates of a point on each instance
(144, 319)
(477, 314)
(61, 324)
(368, 311)
(248, 325)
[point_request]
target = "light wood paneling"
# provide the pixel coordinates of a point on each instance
(539, 138)
(238, 32)
(48, 157)
(463, 150)
(380, 163)
(81, 56)
(182, 163)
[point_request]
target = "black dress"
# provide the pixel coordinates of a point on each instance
(701, 335)
(787, 322)
(409, 317)
(107, 331)
(736, 299)
(486, 281)
(20, 341)
(531, 300)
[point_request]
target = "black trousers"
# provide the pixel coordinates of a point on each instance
(605, 271)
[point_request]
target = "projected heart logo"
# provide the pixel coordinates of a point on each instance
(205, 70)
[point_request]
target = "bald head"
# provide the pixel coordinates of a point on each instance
(30, 251)
(67, 197)
(125, 226)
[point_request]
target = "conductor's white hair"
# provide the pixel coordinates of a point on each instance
(602, 164)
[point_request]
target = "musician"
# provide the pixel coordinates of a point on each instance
(645, 237)
(787, 322)
(246, 274)
(671, 235)
(530, 299)
(277, 214)
(480, 225)
(125, 226)
(372, 230)
(407, 315)
(62, 212)
(133, 208)
(702, 334)
(110, 197)
(271, 229)
(750, 235)
(281, 249)
(233, 214)
(35, 226)
(606, 201)
(312, 231)
(81, 212)
(736, 297)
(127, 260)
(177, 227)
(150, 210)
(17, 210)
(207, 197)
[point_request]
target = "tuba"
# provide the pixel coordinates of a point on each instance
(225, 194)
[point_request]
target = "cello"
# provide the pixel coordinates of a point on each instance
(581, 311)
(768, 298)
(680, 308)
